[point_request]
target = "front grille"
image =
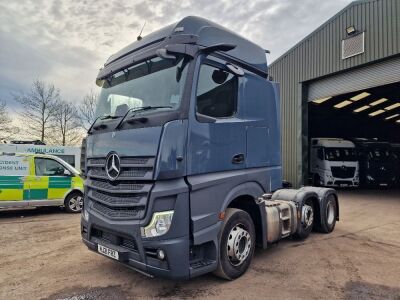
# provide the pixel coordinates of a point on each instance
(118, 212)
(104, 185)
(126, 173)
(83, 157)
(343, 172)
(117, 200)
(343, 182)
(114, 239)
(124, 198)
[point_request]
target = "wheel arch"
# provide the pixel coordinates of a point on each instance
(74, 190)
(244, 197)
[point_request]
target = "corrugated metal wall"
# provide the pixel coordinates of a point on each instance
(319, 54)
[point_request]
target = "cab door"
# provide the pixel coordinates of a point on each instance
(52, 181)
(217, 138)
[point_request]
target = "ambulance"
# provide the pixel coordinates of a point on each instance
(34, 180)
(72, 155)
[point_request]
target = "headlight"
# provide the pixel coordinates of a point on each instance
(159, 225)
(85, 215)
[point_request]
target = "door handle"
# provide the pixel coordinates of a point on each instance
(238, 158)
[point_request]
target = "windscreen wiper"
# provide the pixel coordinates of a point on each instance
(137, 109)
(106, 117)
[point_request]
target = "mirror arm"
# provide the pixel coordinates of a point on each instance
(224, 47)
(205, 119)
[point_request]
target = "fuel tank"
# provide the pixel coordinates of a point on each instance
(281, 218)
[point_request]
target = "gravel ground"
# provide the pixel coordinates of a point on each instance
(42, 257)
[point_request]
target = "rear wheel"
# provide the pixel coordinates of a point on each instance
(329, 211)
(307, 220)
(236, 244)
(73, 203)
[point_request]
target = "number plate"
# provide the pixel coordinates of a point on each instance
(107, 252)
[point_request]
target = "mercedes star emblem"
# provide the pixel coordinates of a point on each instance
(113, 166)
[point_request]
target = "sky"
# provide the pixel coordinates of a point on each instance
(66, 42)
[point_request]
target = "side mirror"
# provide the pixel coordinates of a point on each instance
(67, 172)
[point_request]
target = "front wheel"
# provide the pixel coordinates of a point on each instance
(73, 203)
(236, 244)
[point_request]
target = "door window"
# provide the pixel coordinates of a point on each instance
(216, 92)
(48, 167)
(70, 159)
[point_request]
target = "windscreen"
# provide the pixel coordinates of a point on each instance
(155, 82)
(379, 153)
(340, 154)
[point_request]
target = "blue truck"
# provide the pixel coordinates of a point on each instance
(183, 163)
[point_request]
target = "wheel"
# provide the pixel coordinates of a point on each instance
(306, 224)
(73, 203)
(237, 241)
(329, 211)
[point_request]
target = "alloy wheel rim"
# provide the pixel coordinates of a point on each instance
(76, 203)
(238, 245)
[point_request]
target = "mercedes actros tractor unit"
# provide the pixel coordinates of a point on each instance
(334, 162)
(183, 163)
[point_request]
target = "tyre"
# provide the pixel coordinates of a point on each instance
(237, 242)
(329, 214)
(306, 224)
(73, 203)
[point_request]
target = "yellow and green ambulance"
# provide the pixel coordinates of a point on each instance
(33, 180)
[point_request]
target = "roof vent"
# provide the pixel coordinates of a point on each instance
(353, 45)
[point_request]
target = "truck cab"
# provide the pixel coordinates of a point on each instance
(396, 153)
(185, 144)
(334, 162)
(376, 163)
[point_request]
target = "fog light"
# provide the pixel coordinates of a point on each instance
(160, 254)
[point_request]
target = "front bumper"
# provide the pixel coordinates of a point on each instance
(137, 252)
(341, 182)
(124, 236)
(146, 262)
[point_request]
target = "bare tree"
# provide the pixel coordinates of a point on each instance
(7, 129)
(39, 107)
(86, 110)
(67, 128)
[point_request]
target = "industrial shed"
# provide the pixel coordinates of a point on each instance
(342, 80)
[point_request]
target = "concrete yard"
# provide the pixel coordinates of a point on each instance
(42, 257)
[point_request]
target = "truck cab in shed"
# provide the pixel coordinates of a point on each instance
(185, 145)
(334, 162)
(377, 165)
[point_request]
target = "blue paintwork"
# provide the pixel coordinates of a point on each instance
(209, 33)
(253, 131)
(172, 148)
(205, 181)
(137, 142)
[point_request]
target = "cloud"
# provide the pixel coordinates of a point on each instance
(66, 42)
